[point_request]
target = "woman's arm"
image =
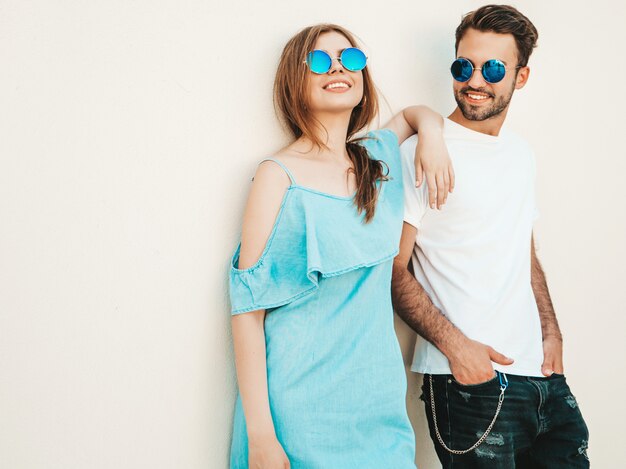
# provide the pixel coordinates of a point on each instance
(264, 449)
(270, 183)
(249, 344)
(431, 154)
(410, 119)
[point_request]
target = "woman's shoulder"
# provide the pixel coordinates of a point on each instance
(271, 172)
(382, 137)
(295, 159)
(382, 144)
(265, 199)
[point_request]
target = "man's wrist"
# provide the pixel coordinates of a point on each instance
(454, 346)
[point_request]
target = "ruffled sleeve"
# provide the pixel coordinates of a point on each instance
(281, 275)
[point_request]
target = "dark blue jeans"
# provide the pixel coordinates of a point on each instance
(539, 426)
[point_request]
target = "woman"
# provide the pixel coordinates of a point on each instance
(321, 377)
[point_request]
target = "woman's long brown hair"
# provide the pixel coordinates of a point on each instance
(291, 104)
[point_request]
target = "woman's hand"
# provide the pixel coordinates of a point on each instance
(266, 453)
(432, 162)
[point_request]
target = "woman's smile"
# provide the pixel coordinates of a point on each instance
(337, 86)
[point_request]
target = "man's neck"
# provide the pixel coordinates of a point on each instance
(491, 126)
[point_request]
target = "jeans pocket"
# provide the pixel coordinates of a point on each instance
(477, 385)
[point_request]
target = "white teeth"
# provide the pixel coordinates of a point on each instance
(337, 85)
(477, 96)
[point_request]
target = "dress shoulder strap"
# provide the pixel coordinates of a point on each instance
(282, 165)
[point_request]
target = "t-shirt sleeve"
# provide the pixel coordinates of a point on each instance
(536, 212)
(415, 198)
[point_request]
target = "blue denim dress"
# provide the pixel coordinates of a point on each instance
(336, 378)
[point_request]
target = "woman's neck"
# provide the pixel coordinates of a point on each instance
(333, 133)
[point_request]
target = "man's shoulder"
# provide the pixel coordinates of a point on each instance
(514, 139)
(410, 142)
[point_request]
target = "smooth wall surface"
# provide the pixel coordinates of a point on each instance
(129, 131)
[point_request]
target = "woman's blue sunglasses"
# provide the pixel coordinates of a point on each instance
(320, 61)
(492, 70)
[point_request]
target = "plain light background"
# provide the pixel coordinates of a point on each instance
(129, 131)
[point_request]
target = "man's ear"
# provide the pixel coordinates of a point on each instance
(522, 77)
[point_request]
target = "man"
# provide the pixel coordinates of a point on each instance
(490, 346)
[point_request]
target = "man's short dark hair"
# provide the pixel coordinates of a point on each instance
(502, 19)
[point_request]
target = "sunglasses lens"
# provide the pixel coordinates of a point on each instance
(461, 70)
(318, 61)
(353, 59)
(493, 71)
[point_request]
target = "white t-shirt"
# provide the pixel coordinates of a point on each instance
(473, 256)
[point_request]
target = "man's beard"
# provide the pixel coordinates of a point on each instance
(476, 113)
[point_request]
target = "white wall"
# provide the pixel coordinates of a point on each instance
(128, 134)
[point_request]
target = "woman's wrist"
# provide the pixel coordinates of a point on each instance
(431, 132)
(261, 428)
(261, 434)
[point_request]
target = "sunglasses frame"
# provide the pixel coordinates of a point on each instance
(482, 72)
(338, 59)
